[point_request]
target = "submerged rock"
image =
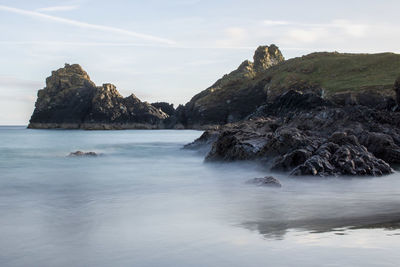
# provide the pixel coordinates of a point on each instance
(265, 181)
(83, 154)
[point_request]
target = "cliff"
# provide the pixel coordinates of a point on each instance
(344, 78)
(71, 100)
(236, 94)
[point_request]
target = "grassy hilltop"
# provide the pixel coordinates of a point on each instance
(337, 72)
(240, 92)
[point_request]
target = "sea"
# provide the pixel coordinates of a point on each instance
(145, 201)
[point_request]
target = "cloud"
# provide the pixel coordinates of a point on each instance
(309, 32)
(56, 8)
(306, 36)
(17, 83)
(123, 44)
(232, 37)
(85, 25)
(352, 29)
(275, 22)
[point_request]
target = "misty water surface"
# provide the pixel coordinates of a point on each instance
(147, 202)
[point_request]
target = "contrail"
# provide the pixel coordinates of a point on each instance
(85, 25)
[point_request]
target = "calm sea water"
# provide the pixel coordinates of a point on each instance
(147, 202)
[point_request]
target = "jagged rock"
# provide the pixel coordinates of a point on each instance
(266, 57)
(265, 181)
(82, 154)
(204, 142)
(319, 139)
(236, 94)
(71, 100)
(165, 107)
(235, 145)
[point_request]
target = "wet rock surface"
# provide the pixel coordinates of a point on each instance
(320, 139)
(83, 154)
(268, 181)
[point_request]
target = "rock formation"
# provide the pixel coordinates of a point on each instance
(345, 79)
(267, 181)
(71, 100)
(83, 154)
(235, 95)
(304, 134)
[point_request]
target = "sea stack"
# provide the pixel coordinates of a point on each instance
(71, 100)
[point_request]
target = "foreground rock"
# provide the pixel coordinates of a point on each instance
(82, 154)
(71, 100)
(304, 134)
(268, 181)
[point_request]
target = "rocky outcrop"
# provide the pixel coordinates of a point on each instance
(267, 181)
(71, 100)
(236, 94)
(344, 79)
(83, 154)
(304, 134)
(165, 107)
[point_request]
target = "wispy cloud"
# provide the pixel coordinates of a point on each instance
(276, 22)
(18, 83)
(85, 25)
(56, 8)
(311, 31)
(123, 44)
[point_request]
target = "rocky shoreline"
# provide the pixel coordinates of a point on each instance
(295, 116)
(323, 139)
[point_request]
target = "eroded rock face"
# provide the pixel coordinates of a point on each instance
(71, 100)
(319, 139)
(266, 57)
(236, 94)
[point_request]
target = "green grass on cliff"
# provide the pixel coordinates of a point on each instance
(336, 72)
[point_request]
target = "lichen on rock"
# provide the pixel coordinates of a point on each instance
(71, 98)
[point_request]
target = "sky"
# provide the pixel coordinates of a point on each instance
(171, 50)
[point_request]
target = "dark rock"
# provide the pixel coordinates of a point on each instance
(82, 154)
(165, 107)
(320, 140)
(204, 142)
(291, 160)
(265, 181)
(396, 88)
(71, 100)
(232, 146)
(291, 101)
(236, 94)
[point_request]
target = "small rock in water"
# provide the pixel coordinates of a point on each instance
(82, 154)
(266, 181)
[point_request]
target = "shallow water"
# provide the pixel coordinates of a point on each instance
(147, 202)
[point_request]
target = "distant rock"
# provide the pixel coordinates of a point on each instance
(266, 57)
(71, 100)
(268, 181)
(82, 154)
(165, 107)
(236, 94)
